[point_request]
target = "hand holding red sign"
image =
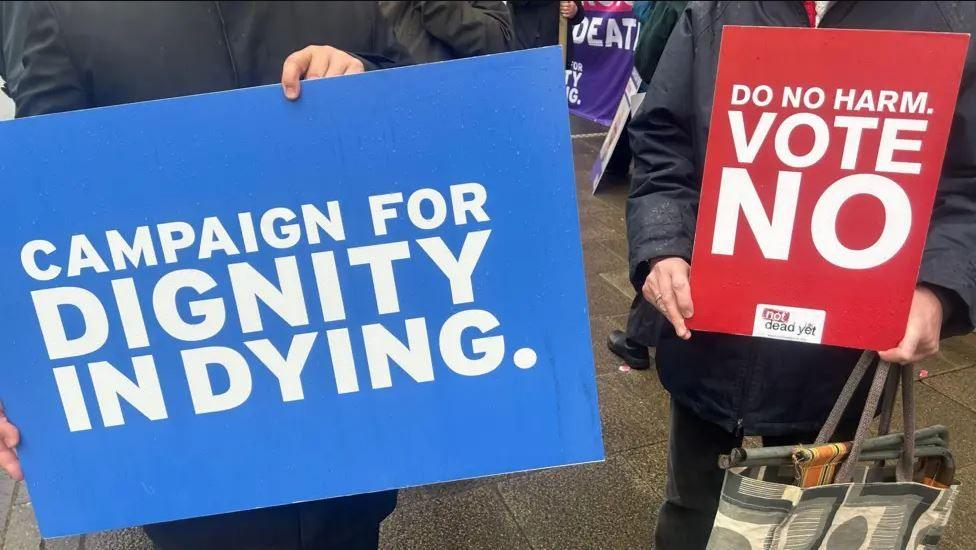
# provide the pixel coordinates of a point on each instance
(667, 287)
(832, 162)
(922, 333)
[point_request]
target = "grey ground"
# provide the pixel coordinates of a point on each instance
(606, 506)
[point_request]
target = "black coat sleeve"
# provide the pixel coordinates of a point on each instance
(50, 82)
(578, 18)
(663, 202)
(949, 260)
(470, 28)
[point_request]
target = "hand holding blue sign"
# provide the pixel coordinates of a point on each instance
(316, 62)
(420, 321)
(9, 438)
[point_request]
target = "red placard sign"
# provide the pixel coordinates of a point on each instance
(823, 160)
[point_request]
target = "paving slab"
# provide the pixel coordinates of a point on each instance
(128, 539)
(604, 298)
(645, 388)
(8, 487)
(63, 543)
(22, 533)
(21, 496)
(934, 407)
(619, 247)
(476, 519)
(630, 419)
(597, 230)
(936, 365)
(960, 385)
(615, 217)
(614, 192)
(648, 467)
(590, 209)
(954, 354)
(960, 534)
(600, 327)
(598, 258)
(414, 495)
(609, 505)
(620, 280)
(960, 351)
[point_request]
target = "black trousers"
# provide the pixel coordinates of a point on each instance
(644, 322)
(695, 480)
(343, 523)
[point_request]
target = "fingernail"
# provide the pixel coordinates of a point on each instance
(687, 313)
(290, 92)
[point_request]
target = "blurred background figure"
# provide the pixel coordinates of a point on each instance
(438, 31)
(537, 22)
(642, 9)
(657, 22)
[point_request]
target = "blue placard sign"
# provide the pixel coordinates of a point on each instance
(231, 301)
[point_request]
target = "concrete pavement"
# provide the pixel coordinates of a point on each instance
(607, 506)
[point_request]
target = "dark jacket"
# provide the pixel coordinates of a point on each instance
(90, 54)
(438, 31)
(654, 35)
(537, 24)
(13, 32)
(759, 385)
(643, 9)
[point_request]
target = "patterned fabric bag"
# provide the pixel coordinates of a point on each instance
(894, 491)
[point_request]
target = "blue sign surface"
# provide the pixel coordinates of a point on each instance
(231, 301)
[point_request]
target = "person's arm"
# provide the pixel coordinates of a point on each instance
(50, 82)
(949, 260)
(945, 300)
(664, 193)
(320, 61)
(470, 28)
(577, 17)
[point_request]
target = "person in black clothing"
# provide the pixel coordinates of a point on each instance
(13, 32)
(79, 55)
(725, 386)
(91, 54)
(438, 31)
(537, 22)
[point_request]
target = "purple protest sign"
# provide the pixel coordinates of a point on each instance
(603, 57)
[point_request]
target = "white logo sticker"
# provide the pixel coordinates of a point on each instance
(789, 323)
